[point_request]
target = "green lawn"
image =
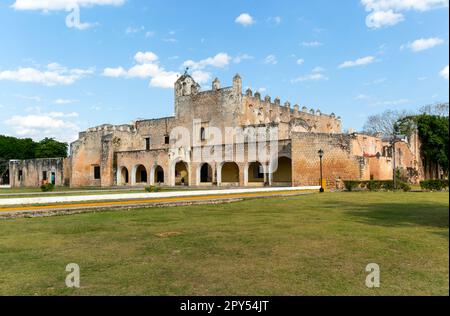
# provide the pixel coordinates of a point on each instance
(305, 245)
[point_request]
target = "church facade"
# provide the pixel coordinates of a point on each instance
(224, 137)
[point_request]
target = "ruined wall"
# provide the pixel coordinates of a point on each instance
(31, 173)
(258, 111)
(338, 160)
(379, 164)
(96, 147)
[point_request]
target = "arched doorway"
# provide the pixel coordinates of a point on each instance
(123, 176)
(283, 174)
(181, 173)
(206, 173)
(255, 172)
(230, 173)
(159, 175)
(141, 175)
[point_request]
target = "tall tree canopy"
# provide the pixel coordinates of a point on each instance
(433, 133)
(50, 148)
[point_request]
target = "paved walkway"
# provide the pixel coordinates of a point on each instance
(141, 199)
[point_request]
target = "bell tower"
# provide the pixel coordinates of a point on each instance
(185, 88)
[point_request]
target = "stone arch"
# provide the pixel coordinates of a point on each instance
(158, 175)
(123, 176)
(181, 171)
(255, 172)
(139, 175)
(282, 171)
(230, 173)
(205, 174)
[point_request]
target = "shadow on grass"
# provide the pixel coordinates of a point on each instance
(435, 215)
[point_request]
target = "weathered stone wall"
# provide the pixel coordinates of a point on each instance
(338, 160)
(96, 147)
(30, 173)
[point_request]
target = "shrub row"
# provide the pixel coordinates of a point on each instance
(434, 185)
(376, 185)
(152, 188)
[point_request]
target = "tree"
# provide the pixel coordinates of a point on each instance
(50, 148)
(433, 134)
(15, 148)
(383, 123)
(439, 109)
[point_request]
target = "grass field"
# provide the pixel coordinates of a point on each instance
(306, 245)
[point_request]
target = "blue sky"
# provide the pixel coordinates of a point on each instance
(59, 75)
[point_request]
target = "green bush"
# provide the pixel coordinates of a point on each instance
(351, 185)
(403, 186)
(376, 185)
(434, 185)
(48, 187)
(152, 188)
(373, 185)
(387, 185)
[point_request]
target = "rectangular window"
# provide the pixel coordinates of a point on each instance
(44, 175)
(167, 139)
(96, 172)
(20, 175)
(147, 143)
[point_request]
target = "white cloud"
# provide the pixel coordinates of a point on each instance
(271, 60)
(146, 68)
(238, 59)
(262, 90)
(54, 74)
(403, 5)
(219, 61)
(423, 44)
(388, 12)
(201, 77)
(318, 69)
(444, 72)
(310, 77)
(164, 79)
(114, 72)
(133, 30)
(359, 62)
(38, 126)
(64, 101)
(361, 97)
(59, 5)
(300, 61)
(379, 19)
(311, 44)
(147, 57)
(245, 19)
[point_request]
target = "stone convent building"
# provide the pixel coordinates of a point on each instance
(148, 152)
